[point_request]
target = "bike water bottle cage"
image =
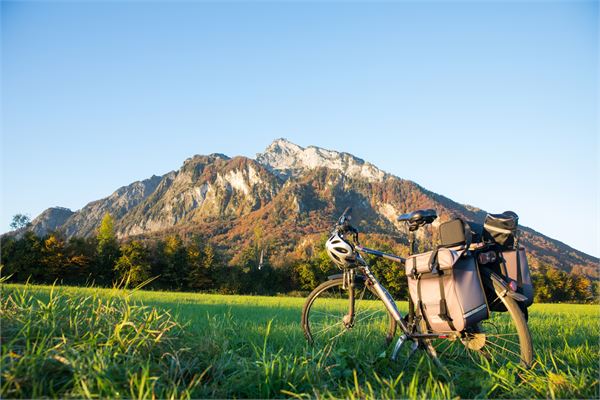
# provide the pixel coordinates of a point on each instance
(417, 219)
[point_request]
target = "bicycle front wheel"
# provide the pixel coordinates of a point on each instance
(325, 318)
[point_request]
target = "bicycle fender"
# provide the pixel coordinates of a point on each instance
(498, 283)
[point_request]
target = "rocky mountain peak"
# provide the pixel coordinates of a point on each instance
(50, 220)
(203, 159)
(287, 159)
(284, 147)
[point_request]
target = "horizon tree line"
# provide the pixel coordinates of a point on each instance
(197, 265)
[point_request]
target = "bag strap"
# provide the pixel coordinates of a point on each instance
(420, 306)
(433, 261)
(468, 235)
(444, 316)
(519, 275)
(503, 268)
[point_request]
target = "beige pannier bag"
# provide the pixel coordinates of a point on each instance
(446, 289)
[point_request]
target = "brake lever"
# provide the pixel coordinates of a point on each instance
(354, 232)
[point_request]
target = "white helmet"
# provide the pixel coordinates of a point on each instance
(340, 251)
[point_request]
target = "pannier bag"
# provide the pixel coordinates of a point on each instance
(457, 232)
(505, 264)
(452, 233)
(445, 286)
(517, 269)
(501, 228)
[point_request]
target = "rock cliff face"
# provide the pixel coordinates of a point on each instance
(86, 221)
(50, 220)
(289, 194)
(287, 159)
(205, 188)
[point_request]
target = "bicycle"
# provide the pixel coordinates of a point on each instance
(354, 307)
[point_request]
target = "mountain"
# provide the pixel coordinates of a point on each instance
(285, 199)
(51, 219)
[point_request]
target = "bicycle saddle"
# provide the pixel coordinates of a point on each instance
(418, 218)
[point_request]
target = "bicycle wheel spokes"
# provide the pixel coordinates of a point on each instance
(450, 349)
(326, 319)
(499, 340)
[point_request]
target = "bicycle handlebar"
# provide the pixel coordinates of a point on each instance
(346, 216)
(343, 226)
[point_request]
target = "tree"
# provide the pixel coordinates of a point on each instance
(20, 221)
(201, 266)
(176, 268)
(595, 292)
(580, 288)
(106, 231)
(108, 250)
(210, 257)
(54, 258)
(310, 274)
(133, 266)
(22, 258)
(391, 274)
(81, 253)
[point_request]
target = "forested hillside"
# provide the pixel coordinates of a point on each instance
(195, 264)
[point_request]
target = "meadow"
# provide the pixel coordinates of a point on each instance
(94, 343)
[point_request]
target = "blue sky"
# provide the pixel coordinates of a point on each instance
(491, 104)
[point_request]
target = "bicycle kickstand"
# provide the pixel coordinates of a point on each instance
(399, 343)
(413, 350)
(397, 347)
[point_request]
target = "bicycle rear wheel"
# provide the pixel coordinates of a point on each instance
(503, 338)
(325, 321)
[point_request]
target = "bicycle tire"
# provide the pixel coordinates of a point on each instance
(309, 311)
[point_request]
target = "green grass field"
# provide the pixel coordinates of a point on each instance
(95, 343)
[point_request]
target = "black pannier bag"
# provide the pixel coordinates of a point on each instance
(445, 286)
(517, 269)
(501, 228)
(508, 267)
(452, 233)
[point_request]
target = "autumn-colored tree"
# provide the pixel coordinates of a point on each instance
(54, 258)
(581, 288)
(209, 257)
(81, 253)
(554, 285)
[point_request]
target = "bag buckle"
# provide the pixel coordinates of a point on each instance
(444, 312)
(487, 257)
